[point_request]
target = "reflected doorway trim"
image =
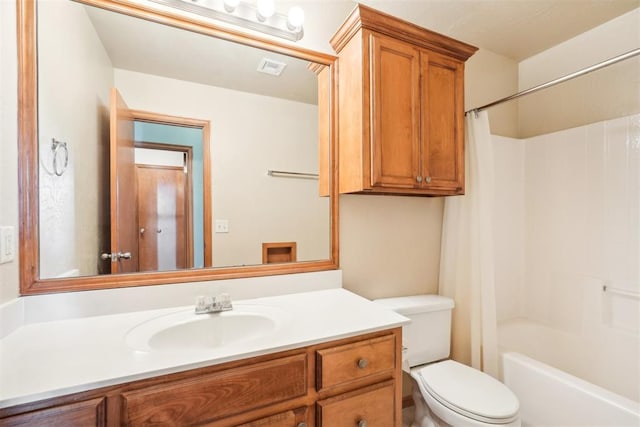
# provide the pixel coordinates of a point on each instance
(188, 153)
(205, 125)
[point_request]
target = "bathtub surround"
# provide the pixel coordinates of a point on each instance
(573, 202)
(467, 261)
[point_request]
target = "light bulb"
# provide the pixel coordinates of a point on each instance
(230, 5)
(296, 18)
(266, 9)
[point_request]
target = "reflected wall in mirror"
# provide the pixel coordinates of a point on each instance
(167, 139)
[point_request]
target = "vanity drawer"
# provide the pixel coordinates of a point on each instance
(346, 363)
(373, 406)
(221, 394)
(294, 418)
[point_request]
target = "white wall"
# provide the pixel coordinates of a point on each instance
(602, 95)
(73, 97)
(249, 135)
(489, 76)
(8, 141)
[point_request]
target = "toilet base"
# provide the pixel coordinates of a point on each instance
(424, 417)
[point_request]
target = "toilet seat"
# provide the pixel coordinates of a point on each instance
(468, 392)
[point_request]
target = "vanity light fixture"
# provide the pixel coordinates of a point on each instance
(259, 17)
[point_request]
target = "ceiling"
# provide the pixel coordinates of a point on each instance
(515, 29)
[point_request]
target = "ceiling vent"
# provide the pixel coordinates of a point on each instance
(269, 66)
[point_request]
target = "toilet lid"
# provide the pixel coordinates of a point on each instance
(469, 392)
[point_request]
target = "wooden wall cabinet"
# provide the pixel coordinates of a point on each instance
(400, 107)
(349, 382)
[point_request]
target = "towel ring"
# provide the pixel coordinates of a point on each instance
(56, 148)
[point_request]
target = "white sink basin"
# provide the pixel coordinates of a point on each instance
(185, 331)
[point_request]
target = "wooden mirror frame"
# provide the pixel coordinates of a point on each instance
(30, 282)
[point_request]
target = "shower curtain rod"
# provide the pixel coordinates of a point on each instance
(582, 72)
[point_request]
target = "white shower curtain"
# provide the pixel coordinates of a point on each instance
(467, 257)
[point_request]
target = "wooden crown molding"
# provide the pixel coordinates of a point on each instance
(363, 17)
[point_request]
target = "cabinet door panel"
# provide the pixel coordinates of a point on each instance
(442, 122)
(214, 396)
(374, 405)
(395, 140)
(81, 414)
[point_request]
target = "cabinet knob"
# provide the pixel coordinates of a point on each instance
(301, 425)
(428, 179)
(363, 363)
(419, 178)
(362, 423)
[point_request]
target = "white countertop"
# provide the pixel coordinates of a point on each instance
(48, 359)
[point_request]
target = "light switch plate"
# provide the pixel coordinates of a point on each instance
(222, 226)
(7, 244)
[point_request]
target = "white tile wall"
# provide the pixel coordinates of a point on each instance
(567, 222)
(509, 226)
(582, 192)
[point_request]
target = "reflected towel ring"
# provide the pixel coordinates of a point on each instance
(56, 146)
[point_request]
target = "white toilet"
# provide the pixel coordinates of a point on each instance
(445, 392)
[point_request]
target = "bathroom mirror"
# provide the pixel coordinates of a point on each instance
(153, 151)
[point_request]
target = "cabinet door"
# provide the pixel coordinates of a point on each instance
(81, 414)
(395, 103)
(373, 406)
(442, 89)
(212, 397)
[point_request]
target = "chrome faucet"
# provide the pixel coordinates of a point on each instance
(217, 304)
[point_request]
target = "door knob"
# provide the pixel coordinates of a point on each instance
(115, 257)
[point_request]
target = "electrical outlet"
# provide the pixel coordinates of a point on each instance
(7, 244)
(222, 226)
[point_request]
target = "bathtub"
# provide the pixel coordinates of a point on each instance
(550, 397)
(584, 378)
(604, 356)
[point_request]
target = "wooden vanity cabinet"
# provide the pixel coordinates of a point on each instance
(338, 383)
(400, 107)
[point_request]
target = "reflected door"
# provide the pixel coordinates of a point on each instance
(124, 219)
(162, 238)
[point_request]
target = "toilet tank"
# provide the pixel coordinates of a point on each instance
(428, 337)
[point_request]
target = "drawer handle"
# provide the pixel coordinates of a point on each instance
(362, 423)
(302, 425)
(363, 363)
